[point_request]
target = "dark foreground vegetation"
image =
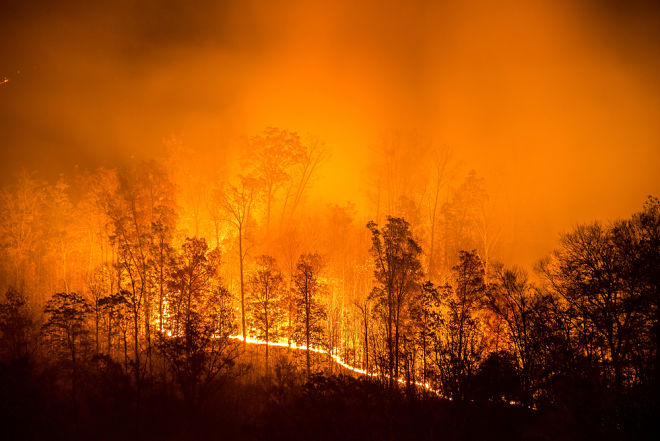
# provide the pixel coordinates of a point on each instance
(37, 405)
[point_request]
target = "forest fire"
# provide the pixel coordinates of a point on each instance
(295, 346)
(336, 358)
(329, 220)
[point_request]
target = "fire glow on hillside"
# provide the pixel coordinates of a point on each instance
(302, 220)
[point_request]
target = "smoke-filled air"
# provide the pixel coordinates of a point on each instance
(329, 220)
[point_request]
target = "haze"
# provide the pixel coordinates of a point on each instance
(556, 106)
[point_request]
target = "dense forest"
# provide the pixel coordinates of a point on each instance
(176, 299)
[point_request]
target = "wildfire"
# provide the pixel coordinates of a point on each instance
(300, 347)
(3, 80)
(333, 355)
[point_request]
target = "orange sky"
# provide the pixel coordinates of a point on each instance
(555, 103)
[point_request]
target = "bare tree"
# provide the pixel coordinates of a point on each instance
(440, 180)
(307, 161)
(238, 201)
(271, 155)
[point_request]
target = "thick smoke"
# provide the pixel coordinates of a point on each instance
(555, 103)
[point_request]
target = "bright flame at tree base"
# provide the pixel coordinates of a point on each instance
(333, 355)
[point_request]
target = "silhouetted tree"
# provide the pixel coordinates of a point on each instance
(195, 342)
(426, 313)
(310, 313)
(364, 308)
(266, 301)
(65, 329)
(398, 272)
(584, 273)
(116, 314)
(97, 286)
(162, 253)
(16, 325)
(512, 299)
(604, 279)
(637, 241)
(458, 339)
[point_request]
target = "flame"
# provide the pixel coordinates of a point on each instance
(335, 357)
(3, 80)
(301, 347)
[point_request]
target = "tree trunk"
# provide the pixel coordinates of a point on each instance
(390, 339)
(125, 352)
(307, 308)
(160, 289)
(267, 329)
(396, 347)
(240, 262)
(137, 372)
(110, 314)
(366, 341)
(424, 348)
(97, 320)
(267, 372)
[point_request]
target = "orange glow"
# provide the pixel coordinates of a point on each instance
(135, 135)
(333, 354)
(554, 103)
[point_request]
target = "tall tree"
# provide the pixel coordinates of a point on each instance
(469, 291)
(162, 253)
(195, 341)
(584, 272)
(440, 177)
(512, 299)
(307, 161)
(140, 209)
(22, 229)
(398, 271)
(311, 313)
(427, 308)
(365, 309)
(65, 329)
(266, 301)
(97, 290)
(637, 241)
(463, 218)
(238, 202)
(116, 315)
(457, 333)
(271, 155)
